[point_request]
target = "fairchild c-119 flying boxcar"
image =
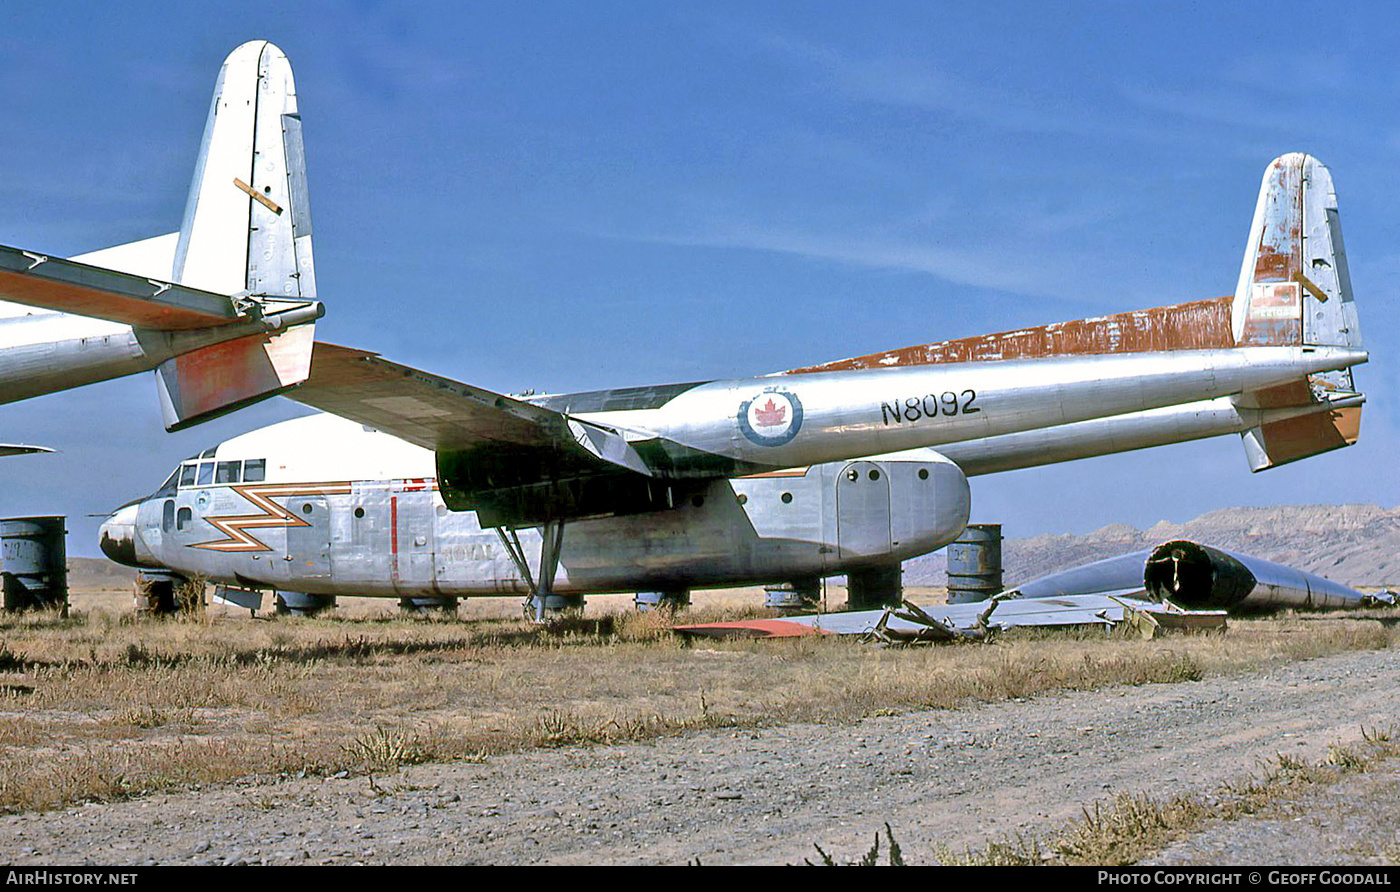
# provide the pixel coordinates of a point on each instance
(417, 486)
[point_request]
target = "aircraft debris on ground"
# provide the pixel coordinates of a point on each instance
(975, 621)
(1193, 575)
(1179, 585)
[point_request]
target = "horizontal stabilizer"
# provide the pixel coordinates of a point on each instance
(1281, 442)
(71, 287)
(216, 380)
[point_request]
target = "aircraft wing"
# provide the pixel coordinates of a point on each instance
(509, 460)
(20, 449)
(422, 408)
(72, 287)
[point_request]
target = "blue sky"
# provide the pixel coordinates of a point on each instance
(568, 196)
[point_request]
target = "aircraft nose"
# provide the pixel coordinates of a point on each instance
(118, 536)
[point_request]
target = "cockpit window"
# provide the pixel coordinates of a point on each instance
(228, 472)
(187, 473)
(209, 453)
(168, 487)
(254, 470)
(206, 473)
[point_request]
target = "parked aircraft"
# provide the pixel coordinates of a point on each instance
(428, 488)
(223, 310)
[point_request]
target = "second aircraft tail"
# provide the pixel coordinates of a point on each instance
(246, 232)
(247, 224)
(1294, 289)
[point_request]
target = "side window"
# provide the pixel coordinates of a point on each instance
(167, 517)
(254, 470)
(183, 518)
(206, 473)
(187, 474)
(228, 472)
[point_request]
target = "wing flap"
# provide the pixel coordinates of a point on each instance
(72, 287)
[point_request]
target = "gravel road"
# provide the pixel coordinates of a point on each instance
(956, 777)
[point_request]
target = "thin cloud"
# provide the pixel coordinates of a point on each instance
(910, 84)
(1019, 272)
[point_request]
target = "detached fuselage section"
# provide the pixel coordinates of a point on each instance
(1201, 577)
(325, 506)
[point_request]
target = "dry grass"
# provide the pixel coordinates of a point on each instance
(894, 854)
(1130, 827)
(104, 704)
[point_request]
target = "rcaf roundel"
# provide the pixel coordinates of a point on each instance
(771, 418)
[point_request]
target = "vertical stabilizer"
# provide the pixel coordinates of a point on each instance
(247, 224)
(246, 232)
(1294, 285)
(1294, 289)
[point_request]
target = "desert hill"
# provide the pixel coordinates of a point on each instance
(98, 573)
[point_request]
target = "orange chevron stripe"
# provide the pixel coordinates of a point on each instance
(235, 527)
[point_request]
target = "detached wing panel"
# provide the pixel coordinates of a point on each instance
(71, 287)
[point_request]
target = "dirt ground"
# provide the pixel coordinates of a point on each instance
(956, 778)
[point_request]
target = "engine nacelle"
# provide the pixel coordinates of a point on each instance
(873, 510)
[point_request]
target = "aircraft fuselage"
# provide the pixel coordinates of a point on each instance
(827, 472)
(311, 521)
(47, 352)
(784, 421)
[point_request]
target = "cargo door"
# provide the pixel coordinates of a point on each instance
(862, 511)
(412, 543)
(309, 538)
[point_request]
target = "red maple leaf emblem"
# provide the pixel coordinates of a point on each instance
(770, 415)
